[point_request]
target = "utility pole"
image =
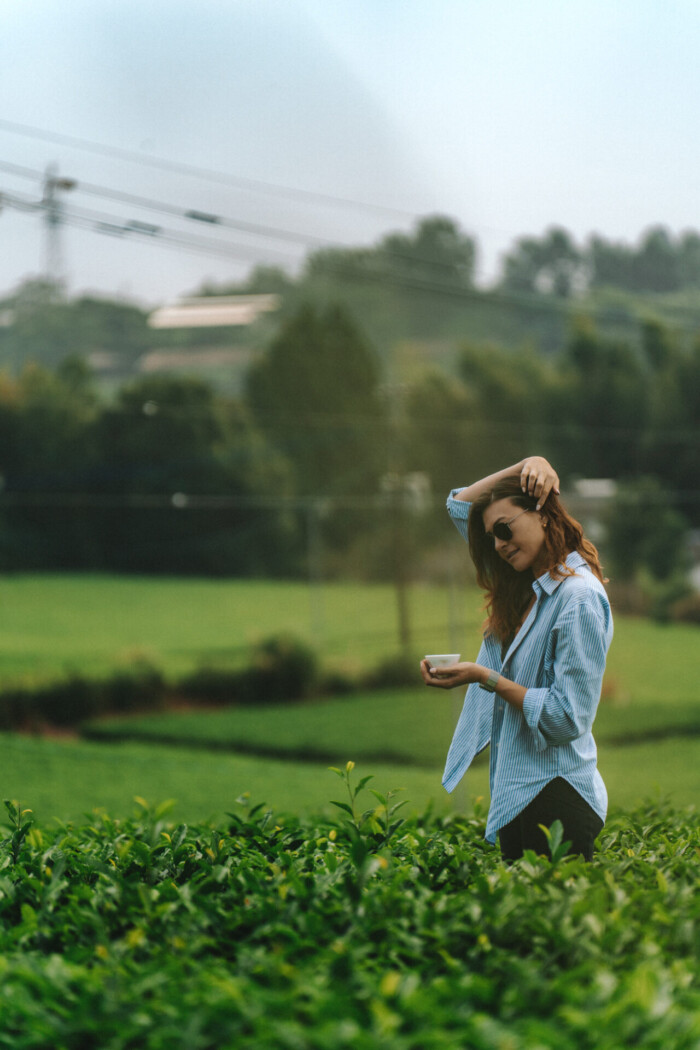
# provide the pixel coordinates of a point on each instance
(53, 217)
(315, 510)
(395, 486)
(50, 204)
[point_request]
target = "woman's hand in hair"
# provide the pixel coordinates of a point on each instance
(449, 677)
(538, 478)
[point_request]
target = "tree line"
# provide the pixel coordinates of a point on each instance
(555, 264)
(438, 254)
(417, 285)
(169, 476)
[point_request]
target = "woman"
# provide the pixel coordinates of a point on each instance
(534, 690)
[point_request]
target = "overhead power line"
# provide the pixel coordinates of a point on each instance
(107, 223)
(101, 222)
(192, 214)
(375, 272)
(211, 175)
(204, 216)
(198, 501)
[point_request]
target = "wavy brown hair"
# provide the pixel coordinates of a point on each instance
(508, 592)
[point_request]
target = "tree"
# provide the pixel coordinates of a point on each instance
(441, 417)
(315, 393)
(689, 260)
(47, 429)
(176, 463)
(610, 264)
(437, 253)
(551, 265)
(511, 391)
(47, 329)
(673, 440)
(656, 265)
(262, 280)
(645, 531)
(602, 408)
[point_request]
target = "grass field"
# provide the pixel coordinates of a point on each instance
(68, 779)
(411, 726)
(93, 624)
(50, 625)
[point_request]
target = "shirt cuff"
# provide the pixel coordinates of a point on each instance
(458, 508)
(532, 711)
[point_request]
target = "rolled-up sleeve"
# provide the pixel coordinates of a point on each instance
(565, 710)
(459, 512)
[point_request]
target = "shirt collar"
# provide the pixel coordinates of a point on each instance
(547, 584)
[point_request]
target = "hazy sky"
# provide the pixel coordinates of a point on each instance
(337, 121)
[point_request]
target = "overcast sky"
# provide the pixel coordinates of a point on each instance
(303, 122)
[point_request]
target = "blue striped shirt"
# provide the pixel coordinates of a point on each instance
(558, 655)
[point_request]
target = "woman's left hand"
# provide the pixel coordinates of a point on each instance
(454, 675)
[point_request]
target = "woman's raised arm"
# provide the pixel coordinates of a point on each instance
(537, 478)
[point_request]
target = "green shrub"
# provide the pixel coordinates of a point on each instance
(135, 689)
(63, 703)
(686, 609)
(337, 683)
(16, 709)
(211, 685)
(75, 699)
(282, 668)
(69, 702)
(396, 670)
(664, 595)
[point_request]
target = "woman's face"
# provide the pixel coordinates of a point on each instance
(526, 548)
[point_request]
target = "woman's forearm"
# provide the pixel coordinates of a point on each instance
(472, 492)
(511, 692)
(468, 673)
(537, 478)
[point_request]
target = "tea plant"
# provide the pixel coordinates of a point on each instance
(366, 931)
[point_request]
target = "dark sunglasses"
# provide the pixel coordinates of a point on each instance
(502, 529)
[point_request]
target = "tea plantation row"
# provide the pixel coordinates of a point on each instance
(363, 931)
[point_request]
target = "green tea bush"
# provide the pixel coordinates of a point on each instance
(364, 931)
(282, 668)
(61, 703)
(71, 700)
(135, 689)
(211, 685)
(686, 610)
(395, 670)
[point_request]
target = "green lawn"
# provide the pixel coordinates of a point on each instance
(406, 725)
(52, 624)
(68, 779)
(652, 687)
(412, 726)
(668, 768)
(653, 664)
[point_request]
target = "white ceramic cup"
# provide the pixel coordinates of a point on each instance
(442, 659)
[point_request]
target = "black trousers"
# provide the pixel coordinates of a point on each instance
(557, 801)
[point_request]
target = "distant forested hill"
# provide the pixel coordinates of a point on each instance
(414, 295)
